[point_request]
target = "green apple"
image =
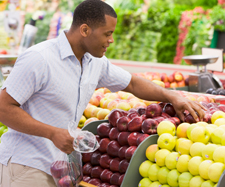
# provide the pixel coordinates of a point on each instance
(218, 155)
(182, 130)
(178, 142)
(144, 167)
(150, 152)
(166, 127)
(184, 147)
(200, 134)
(196, 181)
(160, 157)
(190, 128)
(184, 179)
(171, 160)
(193, 165)
(172, 178)
(215, 171)
(162, 175)
(196, 149)
(217, 135)
(2, 128)
(152, 172)
(207, 183)
(166, 141)
(208, 150)
(204, 167)
(182, 163)
(145, 182)
(155, 184)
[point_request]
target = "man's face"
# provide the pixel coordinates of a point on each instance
(101, 37)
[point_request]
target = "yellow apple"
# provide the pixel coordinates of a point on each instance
(102, 113)
(162, 175)
(215, 171)
(219, 122)
(223, 139)
(82, 121)
(196, 181)
(182, 130)
(166, 127)
(123, 105)
(88, 110)
(193, 165)
(144, 167)
(208, 183)
(155, 184)
(196, 149)
(105, 103)
(160, 157)
(150, 152)
(152, 172)
(222, 126)
(184, 179)
(208, 150)
(172, 178)
(178, 142)
(200, 134)
(139, 104)
(219, 154)
(145, 182)
(90, 120)
(171, 160)
(204, 167)
(202, 123)
(112, 104)
(182, 163)
(95, 111)
(190, 128)
(111, 96)
(102, 101)
(160, 83)
(216, 115)
(217, 135)
(184, 147)
(215, 185)
(166, 141)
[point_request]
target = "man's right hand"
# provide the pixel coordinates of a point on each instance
(62, 140)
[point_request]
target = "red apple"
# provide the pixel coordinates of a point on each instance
(177, 120)
(135, 124)
(171, 120)
(153, 110)
(104, 185)
(162, 104)
(149, 126)
(164, 77)
(209, 105)
(222, 107)
(132, 110)
(121, 179)
(105, 161)
(96, 172)
(87, 168)
(86, 157)
(165, 115)
(95, 157)
(114, 164)
(129, 152)
(122, 123)
(141, 138)
(141, 110)
(103, 129)
(133, 115)
(168, 108)
(113, 148)
(113, 116)
(121, 152)
(123, 166)
(106, 175)
(59, 168)
(207, 117)
(103, 144)
(97, 138)
(122, 138)
(115, 178)
(67, 181)
(189, 119)
(167, 84)
(86, 178)
(143, 116)
(158, 119)
(95, 182)
(113, 133)
(132, 138)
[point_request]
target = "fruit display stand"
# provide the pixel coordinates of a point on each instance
(132, 176)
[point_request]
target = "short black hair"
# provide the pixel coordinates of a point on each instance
(92, 13)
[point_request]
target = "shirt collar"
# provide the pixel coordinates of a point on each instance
(66, 50)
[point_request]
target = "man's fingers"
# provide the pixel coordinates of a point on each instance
(180, 115)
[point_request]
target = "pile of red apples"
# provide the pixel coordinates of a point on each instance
(118, 140)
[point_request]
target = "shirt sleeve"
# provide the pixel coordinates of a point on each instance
(26, 77)
(113, 77)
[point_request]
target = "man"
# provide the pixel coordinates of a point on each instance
(51, 84)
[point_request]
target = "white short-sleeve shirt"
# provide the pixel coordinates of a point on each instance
(48, 82)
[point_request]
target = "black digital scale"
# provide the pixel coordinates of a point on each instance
(201, 80)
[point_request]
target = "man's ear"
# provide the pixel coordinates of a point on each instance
(85, 30)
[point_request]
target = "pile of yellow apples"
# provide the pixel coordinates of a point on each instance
(191, 155)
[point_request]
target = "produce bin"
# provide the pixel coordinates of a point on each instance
(132, 176)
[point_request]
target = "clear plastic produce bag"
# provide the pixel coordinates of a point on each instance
(67, 169)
